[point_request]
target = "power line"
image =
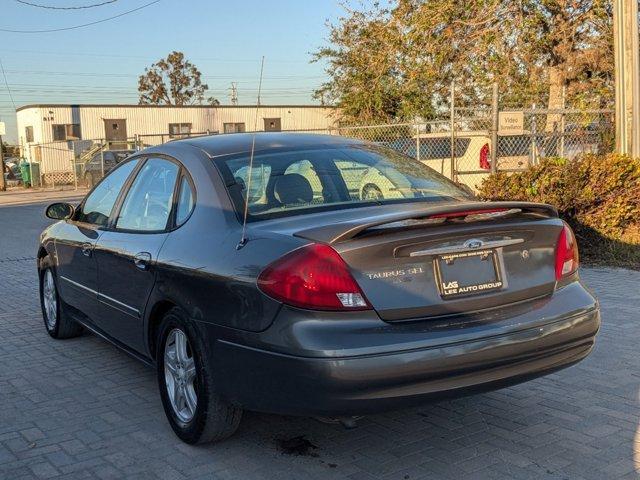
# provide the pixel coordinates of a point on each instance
(4, 75)
(125, 88)
(80, 7)
(146, 57)
(133, 75)
(82, 25)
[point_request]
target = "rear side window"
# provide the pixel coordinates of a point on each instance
(99, 204)
(185, 202)
(149, 200)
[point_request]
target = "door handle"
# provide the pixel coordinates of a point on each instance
(142, 260)
(87, 249)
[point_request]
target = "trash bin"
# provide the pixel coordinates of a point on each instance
(25, 173)
(26, 170)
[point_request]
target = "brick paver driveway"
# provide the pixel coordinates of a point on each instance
(82, 409)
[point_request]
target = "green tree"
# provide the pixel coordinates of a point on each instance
(173, 81)
(397, 62)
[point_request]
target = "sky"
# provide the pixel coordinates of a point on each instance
(101, 63)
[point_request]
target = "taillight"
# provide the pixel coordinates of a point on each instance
(566, 253)
(313, 277)
(485, 162)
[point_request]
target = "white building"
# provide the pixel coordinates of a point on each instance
(56, 135)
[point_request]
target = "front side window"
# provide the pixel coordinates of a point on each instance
(99, 204)
(28, 132)
(289, 182)
(148, 203)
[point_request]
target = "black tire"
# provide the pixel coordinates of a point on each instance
(62, 326)
(371, 192)
(214, 418)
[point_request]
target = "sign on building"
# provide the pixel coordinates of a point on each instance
(511, 123)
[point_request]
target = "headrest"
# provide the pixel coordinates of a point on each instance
(293, 188)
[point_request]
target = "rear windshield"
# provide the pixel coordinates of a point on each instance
(292, 182)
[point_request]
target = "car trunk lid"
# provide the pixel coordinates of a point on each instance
(448, 259)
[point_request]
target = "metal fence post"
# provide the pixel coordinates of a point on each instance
(417, 141)
(31, 166)
(3, 185)
(102, 161)
(75, 173)
(534, 147)
(562, 121)
(494, 129)
(453, 133)
(562, 127)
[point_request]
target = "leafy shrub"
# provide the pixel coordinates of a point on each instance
(599, 196)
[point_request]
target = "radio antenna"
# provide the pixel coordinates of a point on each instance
(243, 238)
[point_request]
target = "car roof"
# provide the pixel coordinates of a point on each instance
(231, 143)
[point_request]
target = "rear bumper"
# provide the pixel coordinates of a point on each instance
(275, 382)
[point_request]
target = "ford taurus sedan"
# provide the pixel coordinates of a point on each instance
(249, 289)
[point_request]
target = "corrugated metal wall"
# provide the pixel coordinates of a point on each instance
(58, 156)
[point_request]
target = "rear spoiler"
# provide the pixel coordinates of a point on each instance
(339, 232)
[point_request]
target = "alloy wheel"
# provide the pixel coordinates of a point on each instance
(50, 299)
(180, 375)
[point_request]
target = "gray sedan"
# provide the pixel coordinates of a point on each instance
(260, 279)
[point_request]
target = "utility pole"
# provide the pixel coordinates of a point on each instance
(627, 78)
(234, 93)
(3, 186)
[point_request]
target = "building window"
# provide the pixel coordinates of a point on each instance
(69, 131)
(234, 128)
(272, 125)
(178, 130)
(28, 132)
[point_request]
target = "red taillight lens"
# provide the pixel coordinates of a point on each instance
(485, 162)
(313, 277)
(566, 253)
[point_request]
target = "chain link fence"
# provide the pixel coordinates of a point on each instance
(466, 144)
(466, 147)
(82, 163)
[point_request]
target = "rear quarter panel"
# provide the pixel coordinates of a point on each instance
(199, 268)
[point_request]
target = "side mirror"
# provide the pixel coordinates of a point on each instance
(60, 211)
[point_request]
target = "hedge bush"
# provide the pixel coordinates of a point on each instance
(599, 196)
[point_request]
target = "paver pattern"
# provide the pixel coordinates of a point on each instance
(83, 409)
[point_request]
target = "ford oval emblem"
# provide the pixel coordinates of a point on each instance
(473, 243)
